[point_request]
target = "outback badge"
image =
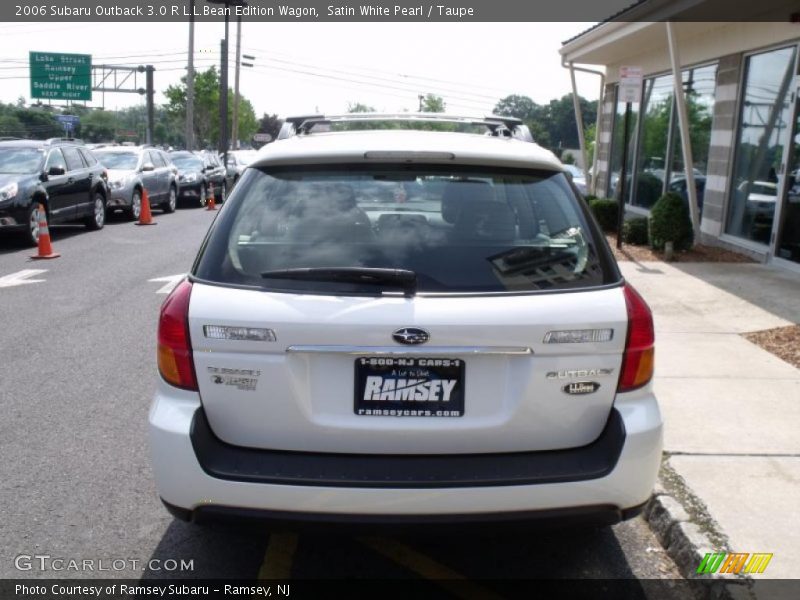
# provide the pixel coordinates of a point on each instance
(579, 388)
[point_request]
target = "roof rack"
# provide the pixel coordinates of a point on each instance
(64, 140)
(499, 126)
(9, 138)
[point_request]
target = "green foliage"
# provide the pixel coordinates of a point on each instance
(206, 108)
(670, 222)
(567, 158)
(270, 124)
(358, 107)
(634, 231)
(552, 124)
(432, 103)
(98, 126)
(606, 211)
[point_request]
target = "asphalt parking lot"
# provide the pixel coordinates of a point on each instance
(78, 370)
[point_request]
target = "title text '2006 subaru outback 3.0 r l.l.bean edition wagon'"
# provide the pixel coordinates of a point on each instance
(420, 324)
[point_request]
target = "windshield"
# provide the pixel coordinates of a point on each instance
(19, 161)
(124, 161)
(187, 163)
(457, 230)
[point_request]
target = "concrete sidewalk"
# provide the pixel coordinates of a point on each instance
(732, 410)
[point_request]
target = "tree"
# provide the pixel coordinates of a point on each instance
(358, 107)
(270, 124)
(98, 126)
(433, 103)
(518, 106)
(206, 108)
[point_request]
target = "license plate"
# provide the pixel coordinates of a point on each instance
(409, 387)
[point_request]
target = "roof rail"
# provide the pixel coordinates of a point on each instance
(499, 126)
(9, 138)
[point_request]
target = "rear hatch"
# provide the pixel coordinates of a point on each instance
(519, 315)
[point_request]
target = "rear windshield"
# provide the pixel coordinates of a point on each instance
(458, 230)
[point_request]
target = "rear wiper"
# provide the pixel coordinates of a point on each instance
(402, 278)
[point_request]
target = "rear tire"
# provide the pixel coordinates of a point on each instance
(172, 201)
(97, 219)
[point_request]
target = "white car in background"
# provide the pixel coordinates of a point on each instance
(405, 327)
(578, 178)
(238, 160)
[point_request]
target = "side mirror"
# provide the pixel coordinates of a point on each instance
(56, 170)
(148, 167)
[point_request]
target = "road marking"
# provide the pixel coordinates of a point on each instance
(278, 558)
(21, 278)
(424, 566)
(171, 282)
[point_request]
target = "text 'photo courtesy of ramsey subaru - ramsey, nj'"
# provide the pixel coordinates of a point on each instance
(419, 324)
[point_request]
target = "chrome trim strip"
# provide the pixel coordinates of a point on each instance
(416, 351)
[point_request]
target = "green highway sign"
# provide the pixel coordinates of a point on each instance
(58, 76)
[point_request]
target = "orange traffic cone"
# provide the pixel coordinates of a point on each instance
(45, 249)
(145, 218)
(211, 204)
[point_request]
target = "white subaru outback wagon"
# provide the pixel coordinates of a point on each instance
(418, 323)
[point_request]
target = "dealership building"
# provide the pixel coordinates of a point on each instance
(727, 138)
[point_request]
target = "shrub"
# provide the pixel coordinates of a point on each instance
(634, 231)
(670, 222)
(605, 211)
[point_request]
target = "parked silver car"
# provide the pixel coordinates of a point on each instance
(132, 169)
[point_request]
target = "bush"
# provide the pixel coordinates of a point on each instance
(670, 222)
(606, 212)
(634, 231)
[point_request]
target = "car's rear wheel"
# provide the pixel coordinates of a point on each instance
(97, 219)
(172, 201)
(135, 209)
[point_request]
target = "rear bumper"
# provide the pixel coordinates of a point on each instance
(603, 482)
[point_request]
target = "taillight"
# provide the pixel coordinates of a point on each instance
(174, 344)
(637, 362)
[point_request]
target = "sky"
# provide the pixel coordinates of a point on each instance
(322, 67)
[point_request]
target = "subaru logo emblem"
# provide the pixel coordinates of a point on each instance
(411, 335)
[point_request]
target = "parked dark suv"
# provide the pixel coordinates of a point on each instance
(62, 174)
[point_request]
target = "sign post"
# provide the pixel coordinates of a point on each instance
(69, 122)
(630, 90)
(58, 76)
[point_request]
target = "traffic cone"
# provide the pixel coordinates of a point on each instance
(45, 249)
(145, 218)
(211, 204)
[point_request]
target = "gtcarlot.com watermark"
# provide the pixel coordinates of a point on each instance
(45, 562)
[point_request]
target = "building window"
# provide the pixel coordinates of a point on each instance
(699, 87)
(763, 119)
(659, 160)
(615, 166)
(654, 149)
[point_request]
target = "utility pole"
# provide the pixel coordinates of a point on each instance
(235, 134)
(190, 84)
(150, 92)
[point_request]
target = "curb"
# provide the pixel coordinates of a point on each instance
(686, 543)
